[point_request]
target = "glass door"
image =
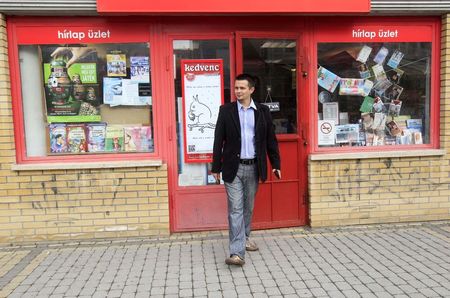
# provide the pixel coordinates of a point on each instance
(273, 59)
(197, 174)
(198, 203)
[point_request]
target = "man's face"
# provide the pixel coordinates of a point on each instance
(242, 91)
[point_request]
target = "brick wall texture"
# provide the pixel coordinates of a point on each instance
(384, 190)
(73, 204)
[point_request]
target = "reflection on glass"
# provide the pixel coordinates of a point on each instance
(274, 63)
(373, 94)
(196, 174)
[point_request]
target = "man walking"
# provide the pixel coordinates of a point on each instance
(244, 136)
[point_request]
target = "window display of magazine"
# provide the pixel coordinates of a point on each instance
(132, 138)
(395, 59)
(58, 140)
(96, 134)
(326, 79)
(394, 107)
(378, 96)
(140, 69)
(116, 65)
(364, 54)
(351, 87)
(348, 133)
(114, 138)
(76, 138)
(381, 55)
(146, 139)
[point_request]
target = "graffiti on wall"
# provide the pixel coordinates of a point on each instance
(354, 183)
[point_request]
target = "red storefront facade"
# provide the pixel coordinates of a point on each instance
(290, 51)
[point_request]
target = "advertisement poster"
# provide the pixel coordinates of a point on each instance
(71, 89)
(202, 90)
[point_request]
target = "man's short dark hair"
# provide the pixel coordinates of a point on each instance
(246, 77)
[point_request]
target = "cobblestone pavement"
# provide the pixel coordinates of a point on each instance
(398, 260)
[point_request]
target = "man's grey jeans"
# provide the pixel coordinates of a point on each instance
(241, 200)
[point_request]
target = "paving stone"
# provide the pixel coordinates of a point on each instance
(382, 261)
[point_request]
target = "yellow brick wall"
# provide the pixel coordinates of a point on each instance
(385, 190)
(73, 204)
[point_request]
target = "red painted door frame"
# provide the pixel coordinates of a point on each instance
(207, 204)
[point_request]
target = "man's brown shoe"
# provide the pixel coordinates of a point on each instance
(234, 260)
(251, 246)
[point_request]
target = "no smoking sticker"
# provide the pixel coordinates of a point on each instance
(326, 128)
(327, 132)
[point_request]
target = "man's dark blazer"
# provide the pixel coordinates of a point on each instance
(227, 142)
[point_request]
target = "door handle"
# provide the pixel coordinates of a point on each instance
(305, 141)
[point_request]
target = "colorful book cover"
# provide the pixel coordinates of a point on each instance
(395, 75)
(394, 107)
(381, 86)
(116, 65)
(58, 133)
(76, 138)
(395, 59)
(415, 124)
(393, 128)
(394, 92)
(364, 71)
(112, 91)
(367, 87)
(379, 72)
(367, 105)
(364, 54)
(146, 143)
(326, 79)
(140, 69)
(132, 138)
(417, 137)
(348, 133)
(378, 105)
(96, 135)
(379, 121)
(381, 55)
(351, 87)
(114, 138)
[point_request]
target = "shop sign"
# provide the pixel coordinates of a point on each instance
(234, 6)
(202, 91)
(273, 106)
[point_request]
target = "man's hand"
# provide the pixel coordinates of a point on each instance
(217, 177)
(277, 173)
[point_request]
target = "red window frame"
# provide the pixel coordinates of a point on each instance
(37, 31)
(425, 29)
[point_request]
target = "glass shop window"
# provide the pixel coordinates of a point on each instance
(86, 99)
(373, 94)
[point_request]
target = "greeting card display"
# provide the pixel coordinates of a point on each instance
(351, 87)
(364, 54)
(327, 79)
(381, 55)
(395, 59)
